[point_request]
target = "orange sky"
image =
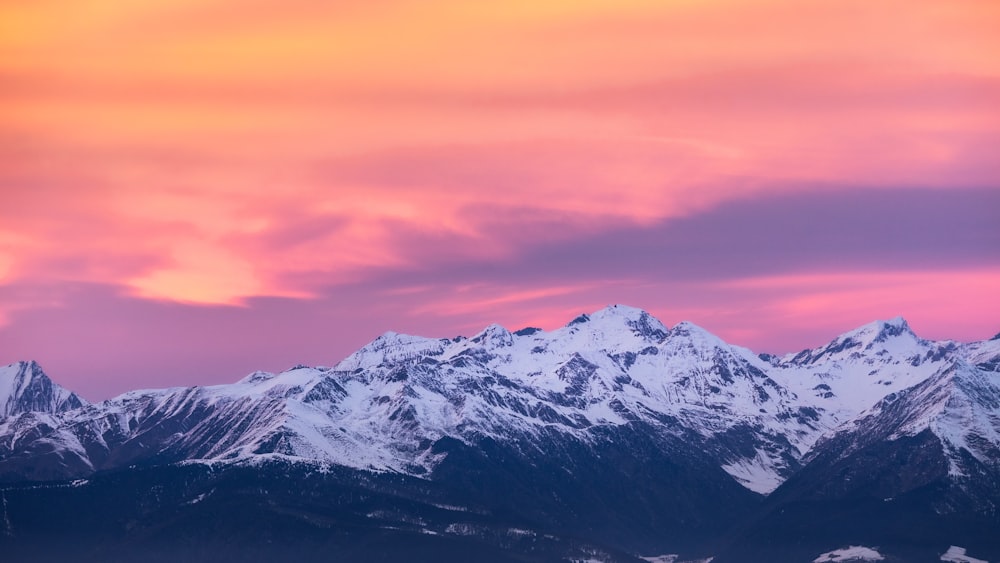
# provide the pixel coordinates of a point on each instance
(213, 152)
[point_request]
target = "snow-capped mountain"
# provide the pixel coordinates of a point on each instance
(960, 405)
(382, 406)
(24, 387)
(552, 424)
(920, 467)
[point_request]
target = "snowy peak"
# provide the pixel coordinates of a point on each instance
(881, 331)
(879, 337)
(24, 387)
(494, 336)
(640, 322)
(615, 328)
(392, 347)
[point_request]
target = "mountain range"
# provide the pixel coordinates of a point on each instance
(613, 438)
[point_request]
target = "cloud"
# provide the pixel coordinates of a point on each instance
(209, 161)
(829, 230)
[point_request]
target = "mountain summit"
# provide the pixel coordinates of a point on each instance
(24, 387)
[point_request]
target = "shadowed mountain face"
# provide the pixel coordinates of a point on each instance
(24, 387)
(612, 437)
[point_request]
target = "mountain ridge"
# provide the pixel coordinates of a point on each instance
(614, 433)
(613, 366)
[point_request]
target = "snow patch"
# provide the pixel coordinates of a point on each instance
(850, 553)
(755, 474)
(452, 507)
(957, 554)
(462, 529)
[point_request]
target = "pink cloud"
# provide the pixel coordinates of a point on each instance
(521, 162)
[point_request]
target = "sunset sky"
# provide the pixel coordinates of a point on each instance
(192, 190)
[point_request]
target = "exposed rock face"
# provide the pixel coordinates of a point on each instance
(24, 387)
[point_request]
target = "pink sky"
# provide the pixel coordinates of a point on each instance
(193, 190)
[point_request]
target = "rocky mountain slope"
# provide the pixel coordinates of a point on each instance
(24, 388)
